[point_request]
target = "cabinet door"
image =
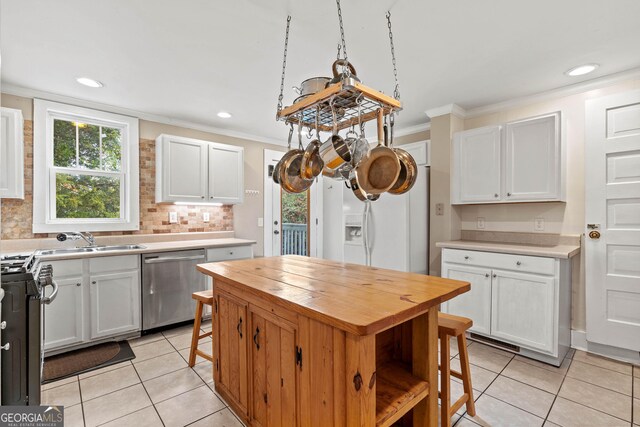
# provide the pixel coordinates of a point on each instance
(232, 366)
(11, 154)
(115, 303)
(523, 307)
(475, 304)
(476, 155)
(184, 170)
(533, 159)
(64, 317)
(226, 174)
(274, 370)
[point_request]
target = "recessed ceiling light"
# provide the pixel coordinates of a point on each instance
(581, 70)
(224, 115)
(89, 82)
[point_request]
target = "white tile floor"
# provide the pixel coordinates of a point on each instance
(157, 388)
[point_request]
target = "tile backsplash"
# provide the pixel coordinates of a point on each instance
(154, 218)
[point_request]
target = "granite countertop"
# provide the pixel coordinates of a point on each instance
(562, 251)
(151, 243)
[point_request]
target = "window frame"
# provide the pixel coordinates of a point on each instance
(44, 171)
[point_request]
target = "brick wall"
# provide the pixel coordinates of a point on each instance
(17, 215)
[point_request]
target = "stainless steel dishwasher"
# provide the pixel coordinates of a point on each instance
(168, 280)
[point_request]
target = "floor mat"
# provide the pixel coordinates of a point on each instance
(85, 360)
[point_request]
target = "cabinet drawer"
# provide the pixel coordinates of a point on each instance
(69, 267)
(235, 252)
(525, 263)
(113, 263)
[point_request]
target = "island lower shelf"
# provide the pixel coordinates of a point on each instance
(397, 392)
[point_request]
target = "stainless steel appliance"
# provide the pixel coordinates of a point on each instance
(168, 280)
(23, 281)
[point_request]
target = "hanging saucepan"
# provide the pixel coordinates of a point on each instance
(379, 171)
(290, 178)
(312, 85)
(312, 163)
(276, 170)
(334, 151)
(408, 168)
(352, 184)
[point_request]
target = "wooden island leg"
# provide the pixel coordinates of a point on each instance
(425, 366)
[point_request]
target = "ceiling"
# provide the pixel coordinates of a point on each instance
(190, 59)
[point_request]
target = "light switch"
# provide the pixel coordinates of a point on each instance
(173, 217)
(538, 224)
(480, 224)
(205, 216)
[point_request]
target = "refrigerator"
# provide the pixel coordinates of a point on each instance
(392, 232)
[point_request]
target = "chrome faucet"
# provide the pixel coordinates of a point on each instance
(76, 235)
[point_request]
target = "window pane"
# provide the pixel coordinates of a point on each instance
(85, 196)
(64, 144)
(111, 142)
(89, 146)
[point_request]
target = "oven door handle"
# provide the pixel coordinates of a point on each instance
(54, 294)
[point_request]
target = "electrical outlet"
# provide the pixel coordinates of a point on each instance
(439, 209)
(538, 224)
(173, 217)
(260, 222)
(205, 216)
(480, 224)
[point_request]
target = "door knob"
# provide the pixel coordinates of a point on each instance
(594, 234)
(7, 346)
(276, 232)
(275, 222)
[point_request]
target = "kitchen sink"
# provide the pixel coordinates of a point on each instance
(90, 249)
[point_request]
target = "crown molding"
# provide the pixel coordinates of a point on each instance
(34, 93)
(454, 109)
(410, 130)
(560, 92)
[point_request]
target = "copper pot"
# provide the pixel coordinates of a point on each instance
(408, 168)
(312, 163)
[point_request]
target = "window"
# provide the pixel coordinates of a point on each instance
(85, 169)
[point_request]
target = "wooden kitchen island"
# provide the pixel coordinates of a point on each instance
(311, 342)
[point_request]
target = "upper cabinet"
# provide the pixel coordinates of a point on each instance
(194, 171)
(11, 154)
(520, 161)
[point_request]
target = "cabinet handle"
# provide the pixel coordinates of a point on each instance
(508, 194)
(7, 346)
(202, 197)
(494, 276)
(255, 338)
(240, 327)
(80, 284)
(486, 275)
(518, 263)
(93, 283)
(495, 195)
(3, 325)
(466, 257)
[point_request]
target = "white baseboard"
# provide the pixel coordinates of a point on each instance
(579, 342)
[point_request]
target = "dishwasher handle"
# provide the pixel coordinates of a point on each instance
(157, 260)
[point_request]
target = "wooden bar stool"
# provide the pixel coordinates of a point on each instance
(202, 298)
(454, 326)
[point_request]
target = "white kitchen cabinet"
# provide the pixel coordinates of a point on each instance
(11, 154)
(64, 317)
(518, 302)
(532, 165)
(226, 174)
(115, 303)
(476, 303)
(225, 254)
(476, 169)
(521, 161)
(522, 309)
(194, 171)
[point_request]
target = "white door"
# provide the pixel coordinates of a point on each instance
(475, 304)
(115, 303)
(522, 309)
(185, 170)
(64, 317)
(532, 159)
(226, 174)
(476, 155)
(612, 242)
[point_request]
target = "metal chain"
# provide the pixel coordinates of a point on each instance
(396, 90)
(284, 64)
(344, 44)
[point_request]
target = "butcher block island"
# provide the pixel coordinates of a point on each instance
(306, 341)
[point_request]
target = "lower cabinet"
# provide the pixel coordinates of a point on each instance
(274, 370)
(64, 318)
(230, 371)
(97, 298)
(115, 303)
(523, 301)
